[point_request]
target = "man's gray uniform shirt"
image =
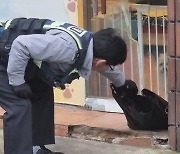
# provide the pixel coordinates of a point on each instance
(58, 49)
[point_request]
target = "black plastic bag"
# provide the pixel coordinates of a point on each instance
(143, 112)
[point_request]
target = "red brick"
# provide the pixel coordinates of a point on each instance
(171, 9)
(177, 39)
(138, 141)
(171, 39)
(61, 130)
(177, 74)
(171, 109)
(177, 4)
(178, 138)
(172, 137)
(177, 109)
(171, 74)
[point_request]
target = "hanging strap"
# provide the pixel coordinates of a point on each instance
(39, 24)
(26, 25)
(11, 24)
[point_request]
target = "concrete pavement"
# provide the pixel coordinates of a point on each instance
(81, 146)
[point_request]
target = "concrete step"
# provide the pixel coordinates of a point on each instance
(70, 145)
(147, 139)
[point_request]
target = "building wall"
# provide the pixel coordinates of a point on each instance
(174, 73)
(58, 10)
(42, 9)
(74, 93)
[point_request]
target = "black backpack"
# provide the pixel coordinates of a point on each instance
(26, 26)
(18, 26)
(143, 112)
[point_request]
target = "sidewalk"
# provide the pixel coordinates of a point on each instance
(77, 122)
(79, 146)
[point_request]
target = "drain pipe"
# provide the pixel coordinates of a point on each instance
(95, 7)
(103, 6)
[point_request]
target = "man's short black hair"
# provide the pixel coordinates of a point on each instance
(108, 45)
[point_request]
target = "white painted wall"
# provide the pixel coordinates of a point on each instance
(52, 9)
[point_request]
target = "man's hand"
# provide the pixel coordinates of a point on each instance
(128, 89)
(23, 90)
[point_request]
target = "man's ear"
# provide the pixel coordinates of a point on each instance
(99, 63)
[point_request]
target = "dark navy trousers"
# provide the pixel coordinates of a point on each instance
(26, 122)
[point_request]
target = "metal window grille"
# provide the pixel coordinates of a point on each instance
(144, 27)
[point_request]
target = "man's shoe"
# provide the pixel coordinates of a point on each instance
(47, 151)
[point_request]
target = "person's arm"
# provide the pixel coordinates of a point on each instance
(44, 47)
(115, 76)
